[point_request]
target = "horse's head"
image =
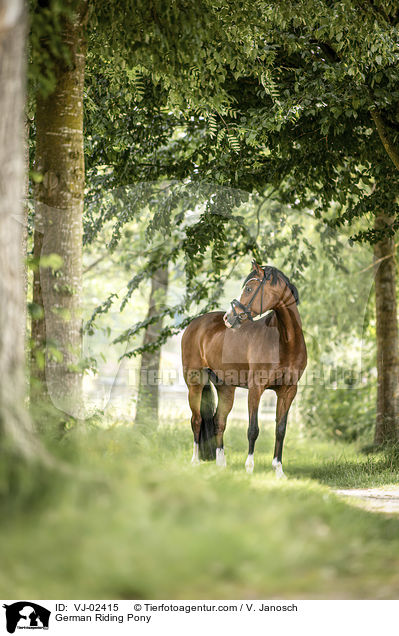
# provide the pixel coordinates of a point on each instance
(264, 288)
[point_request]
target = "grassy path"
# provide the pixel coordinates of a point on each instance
(151, 526)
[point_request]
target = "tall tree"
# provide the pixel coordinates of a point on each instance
(58, 217)
(148, 396)
(387, 426)
(15, 432)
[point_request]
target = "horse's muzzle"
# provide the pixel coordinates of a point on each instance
(231, 321)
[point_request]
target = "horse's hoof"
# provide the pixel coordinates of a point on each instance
(220, 458)
(195, 461)
(249, 464)
(278, 469)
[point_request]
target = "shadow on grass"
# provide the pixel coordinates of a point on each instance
(362, 472)
(333, 464)
(336, 474)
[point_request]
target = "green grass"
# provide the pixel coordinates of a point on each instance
(148, 525)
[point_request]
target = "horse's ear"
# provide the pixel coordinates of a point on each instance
(257, 267)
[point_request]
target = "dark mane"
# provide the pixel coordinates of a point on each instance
(273, 274)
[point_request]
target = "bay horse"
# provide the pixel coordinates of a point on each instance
(232, 350)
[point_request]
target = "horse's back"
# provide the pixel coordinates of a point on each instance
(204, 323)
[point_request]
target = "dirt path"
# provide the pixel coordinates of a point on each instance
(374, 499)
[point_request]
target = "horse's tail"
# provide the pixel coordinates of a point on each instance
(207, 439)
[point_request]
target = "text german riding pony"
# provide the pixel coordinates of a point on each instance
(233, 350)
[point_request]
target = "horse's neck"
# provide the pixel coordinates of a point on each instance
(288, 319)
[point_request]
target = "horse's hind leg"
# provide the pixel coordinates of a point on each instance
(194, 399)
(285, 395)
(254, 395)
(225, 404)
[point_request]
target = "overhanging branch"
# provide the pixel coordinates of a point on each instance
(388, 145)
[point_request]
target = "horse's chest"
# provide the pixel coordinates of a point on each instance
(267, 349)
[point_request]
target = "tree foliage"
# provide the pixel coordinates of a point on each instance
(297, 125)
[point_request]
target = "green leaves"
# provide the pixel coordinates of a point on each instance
(247, 96)
(212, 125)
(233, 142)
(47, 47)
(136, 77)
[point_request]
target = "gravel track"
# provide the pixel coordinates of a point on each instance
(384, 500)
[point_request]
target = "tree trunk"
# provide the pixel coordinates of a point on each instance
(387, 430)
(24, 231)
(15, 430)
(58, 217)
(38, 386)
(148, 396)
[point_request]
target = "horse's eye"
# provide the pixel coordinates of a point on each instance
(248, 290)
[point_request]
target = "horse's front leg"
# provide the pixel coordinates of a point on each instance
(225, 404)
(254, 395)
(285, 395)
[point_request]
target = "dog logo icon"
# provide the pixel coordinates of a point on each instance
(26, 615)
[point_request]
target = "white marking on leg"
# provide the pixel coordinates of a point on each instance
(278, 467)
(220, 458)
(249, 464)
(195, 458)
